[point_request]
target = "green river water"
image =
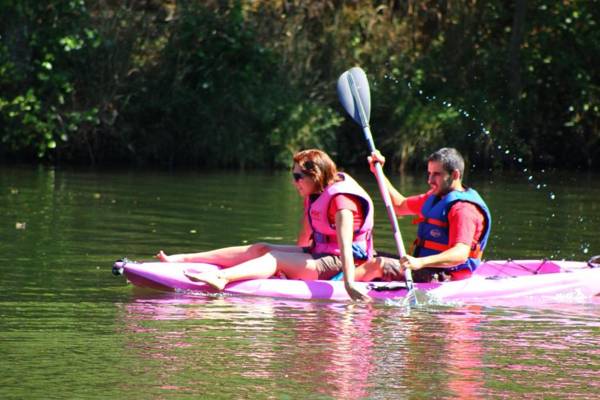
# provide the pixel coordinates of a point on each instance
(69, 329)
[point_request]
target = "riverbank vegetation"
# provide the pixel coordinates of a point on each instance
(226, 83)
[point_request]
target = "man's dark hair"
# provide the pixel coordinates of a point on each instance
(450, 159)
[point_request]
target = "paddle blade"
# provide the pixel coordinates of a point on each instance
(412, 297)
(355, 96)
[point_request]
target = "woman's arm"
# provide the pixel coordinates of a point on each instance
(344, 221)
(305, 234)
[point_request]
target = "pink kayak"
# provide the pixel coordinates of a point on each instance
(506, 282)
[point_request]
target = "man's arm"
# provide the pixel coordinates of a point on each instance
(455, 255)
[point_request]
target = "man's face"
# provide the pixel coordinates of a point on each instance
(439, 180)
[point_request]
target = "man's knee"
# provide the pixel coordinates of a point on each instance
(376, 264)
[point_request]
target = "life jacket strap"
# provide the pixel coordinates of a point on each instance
(322, 238)
(362, 245)
(475, 252)
(431, 221)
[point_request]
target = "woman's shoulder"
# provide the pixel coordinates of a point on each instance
(346, 201)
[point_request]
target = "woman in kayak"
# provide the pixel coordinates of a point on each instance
(336, 234)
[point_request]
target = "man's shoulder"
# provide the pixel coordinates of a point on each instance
(415, 202)
(466, 209)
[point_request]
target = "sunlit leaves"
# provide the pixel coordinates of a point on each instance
(37, 106)
(248, 81)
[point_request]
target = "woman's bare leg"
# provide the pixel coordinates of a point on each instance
(370, 270)
(296, 265)
(228, 256)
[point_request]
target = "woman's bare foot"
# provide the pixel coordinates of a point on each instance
(163, 257)
(210, 278)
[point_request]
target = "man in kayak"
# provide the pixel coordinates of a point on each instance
(453, 224)
(336, 233)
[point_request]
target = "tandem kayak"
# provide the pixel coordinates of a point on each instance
(505, 282)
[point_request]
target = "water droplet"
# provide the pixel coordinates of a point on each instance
(530, 178)
(552, 196)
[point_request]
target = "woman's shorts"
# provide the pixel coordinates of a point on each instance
(328, 265)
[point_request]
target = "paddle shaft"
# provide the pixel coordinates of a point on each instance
(387, 200)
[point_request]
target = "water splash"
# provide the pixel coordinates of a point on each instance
(585, 248)
(461, 110)
(503, 151)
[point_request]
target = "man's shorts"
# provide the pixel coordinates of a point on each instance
(425, 275)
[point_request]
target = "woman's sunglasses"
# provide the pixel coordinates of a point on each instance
(297, 176)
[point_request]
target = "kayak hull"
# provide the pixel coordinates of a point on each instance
(504, 282)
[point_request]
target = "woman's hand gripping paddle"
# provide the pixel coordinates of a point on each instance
(354, 94)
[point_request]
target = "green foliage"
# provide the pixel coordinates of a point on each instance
(306, 125)
(42, 55)
(242, 83)
(217, 97)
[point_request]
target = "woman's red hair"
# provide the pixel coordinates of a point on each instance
(317, 165)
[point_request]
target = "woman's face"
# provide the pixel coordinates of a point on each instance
(304, 184)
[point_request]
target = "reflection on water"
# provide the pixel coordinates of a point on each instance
(271, 348)
(310, 347)
(69, 329)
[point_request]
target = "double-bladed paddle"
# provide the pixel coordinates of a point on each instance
(354, 94)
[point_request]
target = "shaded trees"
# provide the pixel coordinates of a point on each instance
(245, 83)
